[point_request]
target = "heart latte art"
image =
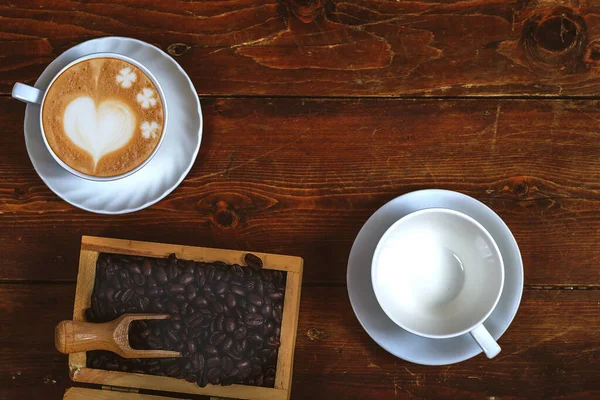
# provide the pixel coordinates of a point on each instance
(103, 117)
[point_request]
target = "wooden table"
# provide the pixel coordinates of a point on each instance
(317, 112)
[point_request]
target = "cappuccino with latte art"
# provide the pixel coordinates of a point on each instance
(103, 117)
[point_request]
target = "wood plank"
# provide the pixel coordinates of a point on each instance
(550, 351)
(327, 48)
(300, 177)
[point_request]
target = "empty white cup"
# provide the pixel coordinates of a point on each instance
(438, 273)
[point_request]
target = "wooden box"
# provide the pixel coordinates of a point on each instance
(79, 372)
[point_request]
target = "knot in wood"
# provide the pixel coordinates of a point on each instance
(555, 38)
(178, 49)
(521, 189)
(592, 53)
(224, 217)
(305, 10)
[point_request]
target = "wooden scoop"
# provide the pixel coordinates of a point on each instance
(77, 336)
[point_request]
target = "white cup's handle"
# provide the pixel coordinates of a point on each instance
(485, 341)
(27, 93)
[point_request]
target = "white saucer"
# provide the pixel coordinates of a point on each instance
(163, 173)
(391, 337)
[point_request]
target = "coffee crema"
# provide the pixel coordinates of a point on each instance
(103, 117)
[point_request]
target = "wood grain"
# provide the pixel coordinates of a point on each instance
(550, 351)
(301, 176)
(330, 47)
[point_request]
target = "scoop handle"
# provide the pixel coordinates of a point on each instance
(78, 336)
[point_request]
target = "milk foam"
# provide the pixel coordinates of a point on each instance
(99, 129)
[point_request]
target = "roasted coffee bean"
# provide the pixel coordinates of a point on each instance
(175, 288)
(183, 307)
(250, 285)
(208, 293)
(218, 308)
(268, 327)
(255, 299)
(269, 287)
(229, 324)
(142, 303)
(214, 376)
(243, 373)
(173, 335)
(172, 308)
(226, 344)
(186, 279)
(216, 338)
(173, 370)
(239, 290)
(210, 274)
(259, 380)
(276, 296)
(226, 364)
(221, 288)
(151, 282)
(211, 350)
(251, 308)
(241, 346)
(179, 298)
(147, 268)
(237, 270)
(253, 319)
(197, 361)
(200, 277)
(126, 295)
(240, 333)
(200, 301)
(190, 292)
(139, 279)
(219, 323)
(194, 320)
(218, 275)
(152, 292)
(269, 382)
(276, 315)
(213, 362)
(257, 340)
(230, 300)
(273, 342)
(277, 331)
(89, 315)
(154, 342)
(109, 294)
(220, 264)
(139, 291)
(172, 272)
(260, 288)
(266, 311)
(190, 377)
(252, 261)
(134, 269)
(191, 346)
(161, 275)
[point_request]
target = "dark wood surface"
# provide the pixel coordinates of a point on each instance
(304, 139)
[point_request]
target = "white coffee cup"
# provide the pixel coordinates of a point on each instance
(438, 273)
(32, 95)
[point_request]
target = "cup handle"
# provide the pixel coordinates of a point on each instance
(485, 341)
(27, 93)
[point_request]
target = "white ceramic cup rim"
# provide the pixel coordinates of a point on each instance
(391, 230)
(160, 93)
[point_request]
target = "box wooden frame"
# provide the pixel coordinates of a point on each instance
(91, 247)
